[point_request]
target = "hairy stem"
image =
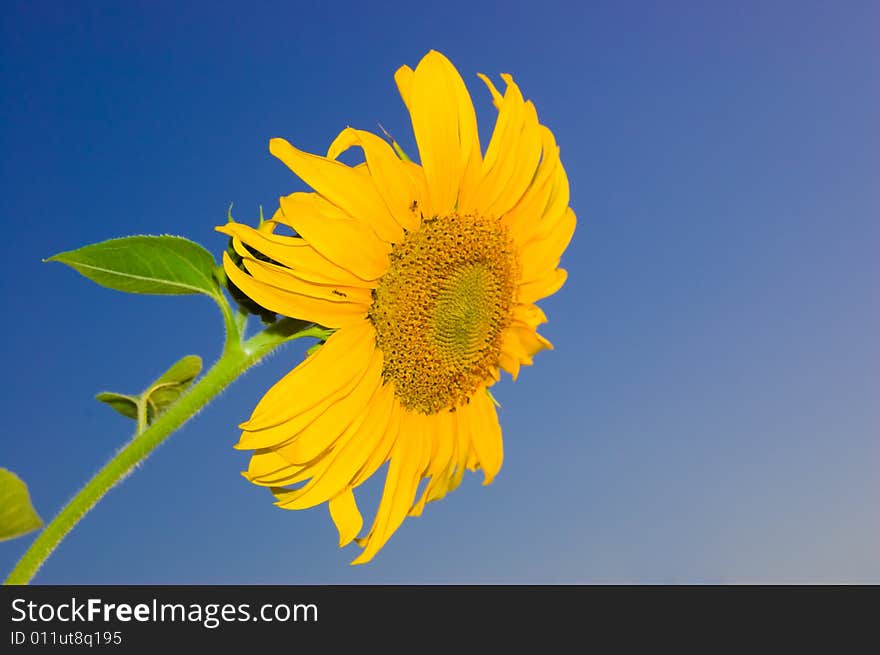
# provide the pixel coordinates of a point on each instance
(237, 357)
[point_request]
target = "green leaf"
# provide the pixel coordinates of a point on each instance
(183, 372)
(145, 264)
(125, 405)
(17, 514)
(169, 387)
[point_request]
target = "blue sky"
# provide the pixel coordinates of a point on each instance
(710, 411)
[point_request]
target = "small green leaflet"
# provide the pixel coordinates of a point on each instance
(160, 395)
(171, 385)
(125, 405)
(145, 264)
(17, 514)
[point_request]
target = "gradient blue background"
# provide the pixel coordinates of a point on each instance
(710, 413)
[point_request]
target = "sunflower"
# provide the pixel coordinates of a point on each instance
(428, 274)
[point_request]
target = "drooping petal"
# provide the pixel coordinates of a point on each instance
(295, 305)
(267, 468)
(330, 425)
(485, 434)
(444, 483)
(331, 368)
(285, 278)
(439, 435)
(294, 253)
(345, 514)
(404, 473)
(361, 440)
(275, 435)
(385, 445)
(465, 454)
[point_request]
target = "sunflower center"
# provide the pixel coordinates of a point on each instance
(440, 310)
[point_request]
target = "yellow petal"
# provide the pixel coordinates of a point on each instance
(417, 178)
(341, 185)
(509, 363)
(523, 219)
(539, 256)
(295, 305)
(293, 474)
(401, 483)
(530, 315)
(388, 172)
(360, 441)
(497, 98)
(350, 244)
(285, 278)
(542, 287)
(382, 450)
(440, 434)
(324, 431)
(403, 77)
(485, 434)
(512, 178)
(523, 343)
(508, 123)
(290, 474)
(512, 157)
(439, 485)
(437, 488)
(445, 128)
(345, 514)
(334, 365)
(463, 449)
(438, 428)
(276, 434)
(559, 197)
(294, 253)
(541, 210)
(266, 467)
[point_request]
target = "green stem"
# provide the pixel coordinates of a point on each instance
(237, 357)
(141, 415)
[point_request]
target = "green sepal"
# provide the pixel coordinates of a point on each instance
(492, 398)
(395, 145)
(17, 513)
(164, 265)
(247, 304)
(322, 334)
